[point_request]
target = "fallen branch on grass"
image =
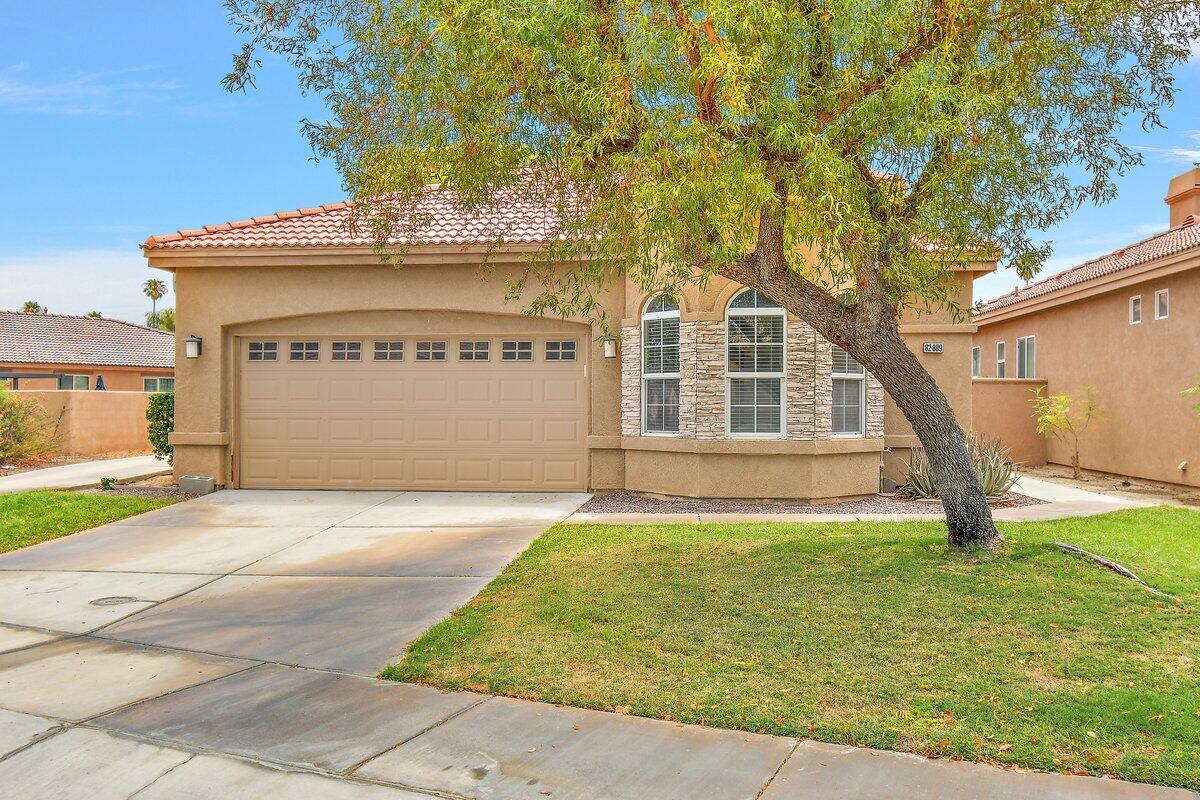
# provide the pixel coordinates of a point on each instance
(1114, 566)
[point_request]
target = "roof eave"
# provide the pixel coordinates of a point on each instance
(1149, 270)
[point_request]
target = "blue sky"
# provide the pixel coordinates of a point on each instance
(116, 127)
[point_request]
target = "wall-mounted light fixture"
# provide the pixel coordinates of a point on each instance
(193, 346)
(610, 345)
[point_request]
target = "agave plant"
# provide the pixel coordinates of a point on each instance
(989, 458)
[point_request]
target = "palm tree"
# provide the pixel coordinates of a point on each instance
(32, 307)
(155, 290)
(163, 320)
(95, 315)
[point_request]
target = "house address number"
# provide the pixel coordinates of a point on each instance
(933, 347)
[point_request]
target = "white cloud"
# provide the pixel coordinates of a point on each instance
(1188, 153)
(79, 281)
(121, 92)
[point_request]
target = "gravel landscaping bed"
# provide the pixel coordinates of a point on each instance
(633, 503)
(163, 492)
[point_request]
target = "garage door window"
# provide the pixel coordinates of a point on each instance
(389, 351)
(304, 351)
(431, 351)
(517, 351)
(264, 351)
(560, 351)
(347, 351)
(473, 351)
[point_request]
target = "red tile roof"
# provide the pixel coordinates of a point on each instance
(513, 217)
(1176, 240)
(62, 339)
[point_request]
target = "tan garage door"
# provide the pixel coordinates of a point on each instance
(462, 412)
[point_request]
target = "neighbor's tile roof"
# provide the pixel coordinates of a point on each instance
(1183, 237)
(61, 339)
(512, 216)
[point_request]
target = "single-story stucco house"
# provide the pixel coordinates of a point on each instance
(320, 366)
(61, 351)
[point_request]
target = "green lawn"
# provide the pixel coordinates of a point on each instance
(30, 517)
(871, 634)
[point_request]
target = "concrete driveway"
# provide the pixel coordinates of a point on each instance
(223, 650)
(331, 580)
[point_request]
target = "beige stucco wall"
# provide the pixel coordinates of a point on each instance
(1001, 410)
(1138, 372)
(116, 379)
(97, 423)
(221, 296)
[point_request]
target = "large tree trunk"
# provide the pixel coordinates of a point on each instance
(918, 396)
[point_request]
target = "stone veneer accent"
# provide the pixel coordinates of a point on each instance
(808, 383)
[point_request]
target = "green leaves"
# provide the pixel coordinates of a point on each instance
(660, 132)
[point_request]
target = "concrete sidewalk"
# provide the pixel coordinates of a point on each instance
(1061, 502)
(85, 474)
(224, 648)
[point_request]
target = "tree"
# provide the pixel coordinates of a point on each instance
(1058, 418)
(841, 156)
(95, 315)
(31, 307)
(163, 320)
(155, 289)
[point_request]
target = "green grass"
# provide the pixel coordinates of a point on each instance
(870, 634)
(30, 517)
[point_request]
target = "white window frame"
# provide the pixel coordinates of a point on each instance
(433, 350)
(560, 350)
(861, 377)
(1135, 302)
(516, 351)
(264, 350)
(1001, 360)
(977, 361)
(87, 383)
(388, 350)
(1164, 294)
(304, 350)
(655, 376)
(1026, 370)
(473, 350)
(781, 376)
(347, 349)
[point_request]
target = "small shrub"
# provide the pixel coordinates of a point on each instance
(989, 458)
(1058, 418)
(107, 484)
(26, 431)
(1193, 392)
(160, 413)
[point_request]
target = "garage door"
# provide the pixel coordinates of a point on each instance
(463, 412)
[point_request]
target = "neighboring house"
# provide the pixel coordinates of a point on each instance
(81, 352)
(320, 366)
(1129, 325)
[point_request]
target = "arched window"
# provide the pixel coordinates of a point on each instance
(660, 366)
(756, 361)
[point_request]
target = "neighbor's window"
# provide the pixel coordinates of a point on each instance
(473, 351)
(431, 351)
(263, 351)
(1162, 304)
(560, 350)
(1135, 310)
(754, 328)
(516, 351)
(304, 351)
(389, 351)
(1026, 357)
(80, 383)
(660, 366)
(1000, 365)
(347, 351)
(976, 362)
(849, 395)
(158, 384)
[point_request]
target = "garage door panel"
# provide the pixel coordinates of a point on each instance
(408, 424)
